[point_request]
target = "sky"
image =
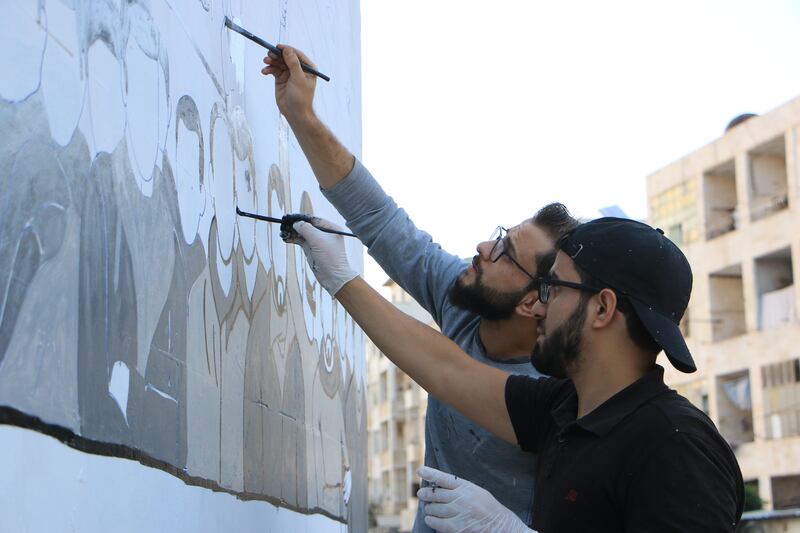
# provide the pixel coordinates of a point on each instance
(475, 114)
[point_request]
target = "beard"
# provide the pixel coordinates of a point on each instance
(484, 301)
(562, 347)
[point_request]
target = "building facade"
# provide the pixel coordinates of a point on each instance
(733, 206)
(395, 430)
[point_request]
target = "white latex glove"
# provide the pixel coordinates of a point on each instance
(456, 505)
(325, 254)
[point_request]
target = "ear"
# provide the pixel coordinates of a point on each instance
(605, 307)
(525, 306)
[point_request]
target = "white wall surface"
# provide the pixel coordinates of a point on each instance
(66, 490)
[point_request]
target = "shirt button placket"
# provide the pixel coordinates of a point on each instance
(556, 458)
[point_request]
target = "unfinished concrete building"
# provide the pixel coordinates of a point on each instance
(734, 208)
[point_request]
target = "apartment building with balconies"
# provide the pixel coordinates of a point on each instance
(733, 206)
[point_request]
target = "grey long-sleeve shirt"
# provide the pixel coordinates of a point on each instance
(453, 443)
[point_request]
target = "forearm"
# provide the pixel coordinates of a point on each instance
(435, 362)
(329, 159)
(408, 255)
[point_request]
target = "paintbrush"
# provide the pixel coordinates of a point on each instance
(274, 49)
(286, 222)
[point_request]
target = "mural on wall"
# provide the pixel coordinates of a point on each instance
(136, 310)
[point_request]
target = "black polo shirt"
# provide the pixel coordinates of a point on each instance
(644, 460)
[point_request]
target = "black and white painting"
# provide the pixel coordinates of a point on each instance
(140, 318)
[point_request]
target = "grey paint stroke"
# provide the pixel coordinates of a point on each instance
(242, 141)
(309, 281)
(34, 194)
(157, 411)
(275, 187)
(98, 20)
(262, 397)
(187, 113)
(107, 306)
(293, 419)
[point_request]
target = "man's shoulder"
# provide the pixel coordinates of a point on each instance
(462, 327)
(670, 434)
(668, 414)
(528, 387)
(521, 368)
(459, 325)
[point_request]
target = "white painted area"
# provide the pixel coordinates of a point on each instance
(222, 174)
(20, 35)
(90, 493)
(105, 103)
(63, 87)
(186, 77)
(348, 486)
(118, 386)
(236, 43)
(144, 110)
(191, 197)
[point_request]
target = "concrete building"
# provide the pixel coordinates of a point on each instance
(395, 429)
(734, 208)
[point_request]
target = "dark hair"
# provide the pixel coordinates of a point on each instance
(636, 330)
(556, 221)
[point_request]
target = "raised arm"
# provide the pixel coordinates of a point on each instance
(409, 256)
(294, 93)
(427, 356)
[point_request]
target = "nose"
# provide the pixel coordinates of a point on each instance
(484, 248)
(539, 310)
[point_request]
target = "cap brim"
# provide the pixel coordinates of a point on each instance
(668, 335)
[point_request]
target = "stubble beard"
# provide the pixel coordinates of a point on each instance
(484, 301)
(562, 348)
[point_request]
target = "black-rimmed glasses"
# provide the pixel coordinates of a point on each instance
(500, 249)
(546, 283)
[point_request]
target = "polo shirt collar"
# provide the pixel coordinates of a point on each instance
(611, 412)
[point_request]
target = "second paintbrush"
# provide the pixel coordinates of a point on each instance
(286, 222)
(272, 48)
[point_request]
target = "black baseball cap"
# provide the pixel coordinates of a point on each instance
(643, 265)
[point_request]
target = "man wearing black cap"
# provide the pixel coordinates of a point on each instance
(619, 451)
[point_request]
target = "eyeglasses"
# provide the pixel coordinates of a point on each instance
(500, 238)
(545, 284)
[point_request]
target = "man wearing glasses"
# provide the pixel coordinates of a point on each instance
(486, 307)
(619, 450)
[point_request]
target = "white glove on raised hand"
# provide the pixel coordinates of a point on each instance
(325, 254)
(455, 505)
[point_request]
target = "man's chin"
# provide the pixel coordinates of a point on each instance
(544, 364)
(467, 277)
